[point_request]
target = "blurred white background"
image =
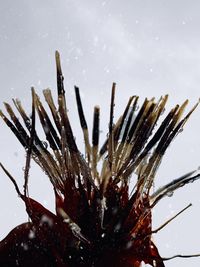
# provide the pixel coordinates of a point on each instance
(147, 47)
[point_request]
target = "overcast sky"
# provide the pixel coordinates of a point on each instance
(148, 47)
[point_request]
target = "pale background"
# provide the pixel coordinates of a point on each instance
(147, 47)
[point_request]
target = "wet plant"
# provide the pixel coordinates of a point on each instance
(98, 220)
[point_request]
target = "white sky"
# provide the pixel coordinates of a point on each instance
(148, 47)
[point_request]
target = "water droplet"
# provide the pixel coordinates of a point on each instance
(45, 144)
(16, 154)
(31, 234)
(162, 112)
(24, 245)
(117, 227)
(46, 220)
(103, 235)
(137, 107)
(180, 130)
(170, 193)
(129, 244)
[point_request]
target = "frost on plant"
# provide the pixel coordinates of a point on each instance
(98, 221)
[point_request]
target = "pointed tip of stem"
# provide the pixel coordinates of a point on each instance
(96, 108)
(58, 64)
(57, 54)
